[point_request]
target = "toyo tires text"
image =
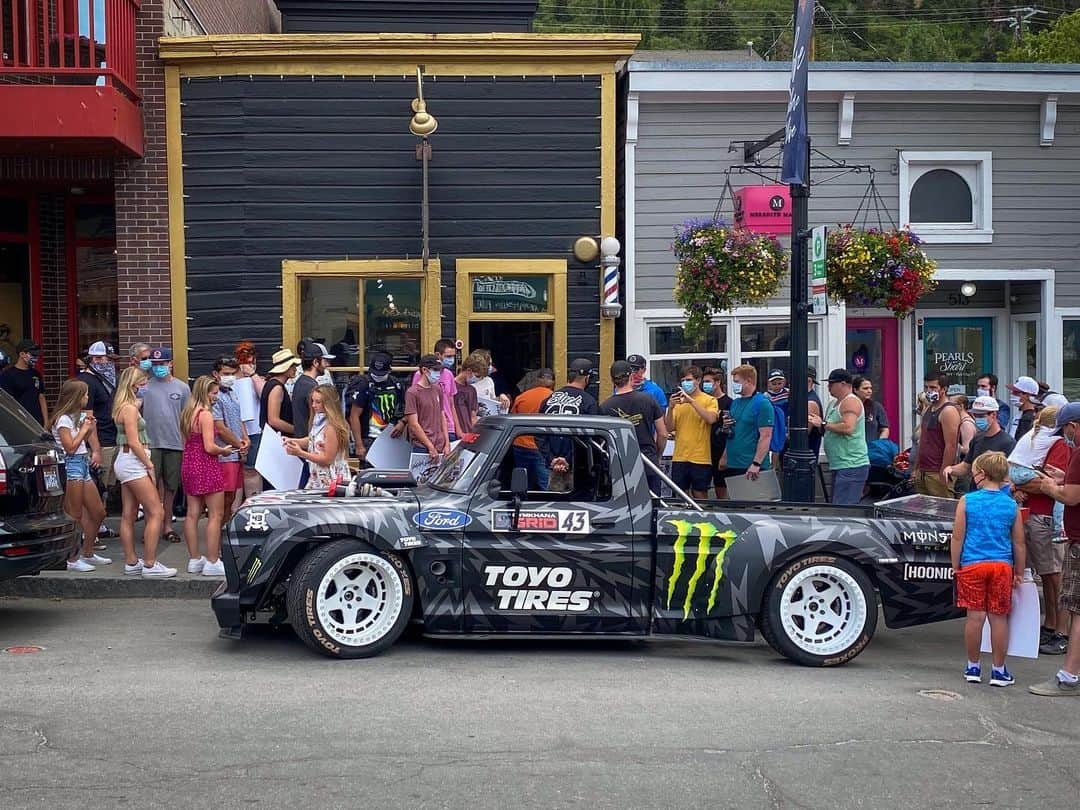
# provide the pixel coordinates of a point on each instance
(819, 611)
(348, 600)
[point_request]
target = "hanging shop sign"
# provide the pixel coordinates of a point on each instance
(509, 294)
(764, 209)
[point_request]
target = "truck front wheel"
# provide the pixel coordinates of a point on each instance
(819, 611)
(348, 600)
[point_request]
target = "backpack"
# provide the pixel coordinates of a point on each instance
(779, 431)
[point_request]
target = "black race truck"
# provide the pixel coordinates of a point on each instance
(474, 552)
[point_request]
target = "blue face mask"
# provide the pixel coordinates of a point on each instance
(982, 424)
(161, 371)
(473, 379)
(448, 362)
(433, 376)
(145, 365)
(140, 392)
(736, 388)
(708, 387)
(687, 386)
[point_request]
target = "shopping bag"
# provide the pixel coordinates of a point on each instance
(1024, 621)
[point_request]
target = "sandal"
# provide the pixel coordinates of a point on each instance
(173, 537)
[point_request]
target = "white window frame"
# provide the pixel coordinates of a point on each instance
(976, 168)
(693, 357)
(1019, 361)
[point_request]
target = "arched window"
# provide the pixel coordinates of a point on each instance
(941, 195)
(947, 197)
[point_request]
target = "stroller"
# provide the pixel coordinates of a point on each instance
(890, 472)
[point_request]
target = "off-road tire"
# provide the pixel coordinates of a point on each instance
(857, 589)
(307, 601)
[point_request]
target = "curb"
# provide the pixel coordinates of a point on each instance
(66, 587)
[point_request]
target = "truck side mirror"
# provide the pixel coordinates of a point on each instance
(519, 482)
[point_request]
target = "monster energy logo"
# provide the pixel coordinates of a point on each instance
(383, 405)
(706, 534)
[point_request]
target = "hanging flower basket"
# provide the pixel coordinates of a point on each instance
(879, 268)
(721, 267)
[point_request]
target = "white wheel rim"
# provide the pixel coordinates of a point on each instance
(359, 599)
(823, 610)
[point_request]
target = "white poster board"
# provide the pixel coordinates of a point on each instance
(244, 391)
(274, 464)
(487, 407)
(422, 466)
(1023, 623)
(388, 453)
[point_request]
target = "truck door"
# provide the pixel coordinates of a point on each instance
(565, 562)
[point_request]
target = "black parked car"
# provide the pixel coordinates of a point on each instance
(35, 533)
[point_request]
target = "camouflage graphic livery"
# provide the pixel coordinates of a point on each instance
(640, 568)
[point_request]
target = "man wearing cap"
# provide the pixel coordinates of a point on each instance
(777, 391)
(844, 428)
(373, 402)
(314, 360)
(23, 381)
(641, 411)
(1025, 397)
(446, 353)
(987, 386)
(526, 451)
(139, 355)
(163, 401)
(424, 410)
(643, 383)
(100, 378)
(991, 436)
(938, 431)
(1065, 488)
(571, 400)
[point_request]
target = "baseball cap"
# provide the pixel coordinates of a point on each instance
(162, 354)
(27, 345)
(380, 363)
(316, 351)
(581, 367)
(984, 405)
(1070, 413)
(1055, 400)
(545, 374)
(621, 368)
(811, 372)
(1025, 385)
(637, 361)
(282, 361)
(430, 361)
(101, 348)
(776, 374)
(840, 375)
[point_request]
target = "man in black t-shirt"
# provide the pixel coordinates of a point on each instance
(641, 411)
(24, 382)
(100, 378)
(572, 400)
(374, 402)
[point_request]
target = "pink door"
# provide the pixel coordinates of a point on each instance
(873, 350)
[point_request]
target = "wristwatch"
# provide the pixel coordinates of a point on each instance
(755, 464)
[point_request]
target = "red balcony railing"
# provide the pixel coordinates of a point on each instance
(69, 42)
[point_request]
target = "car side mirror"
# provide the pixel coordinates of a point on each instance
(519, 482)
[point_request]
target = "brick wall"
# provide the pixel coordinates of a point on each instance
(54, 298)
(142, 202)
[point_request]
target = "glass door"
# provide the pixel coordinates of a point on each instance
(873, 352)
(962, 348)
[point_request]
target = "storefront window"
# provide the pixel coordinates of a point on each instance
(670, 353)
(766, 346)
(392, 319)
(97, 300)
(507, 294)
(330, 313)
(960, 348)
(1028, 338)
(1070, 359)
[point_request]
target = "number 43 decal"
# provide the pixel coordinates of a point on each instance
(574, 522)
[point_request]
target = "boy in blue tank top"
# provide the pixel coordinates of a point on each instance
(988, 556)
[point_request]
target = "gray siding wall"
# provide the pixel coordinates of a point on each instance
(682, 153)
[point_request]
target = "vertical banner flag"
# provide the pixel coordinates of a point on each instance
(796, 137)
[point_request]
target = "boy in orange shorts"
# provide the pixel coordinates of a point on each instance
(988, 559)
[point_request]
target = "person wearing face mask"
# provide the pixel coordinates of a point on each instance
(712, 383)
(1025, 399)
(642, 383)
(690, 415)
(750, 426)
(485, 385)
(424, 410)
(229, 431)
(987, 386)
(991, 437)
(466, 400)
(447, 356)
(100, 378)
(1063, 486)
(23, 381)
(163, 401)
(939, 429)
(373, 402)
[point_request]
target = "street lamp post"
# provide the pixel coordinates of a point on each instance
(423, 124)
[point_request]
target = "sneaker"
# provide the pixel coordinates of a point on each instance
(973, 674)
(140, 515)
(99, 545)
(1001, 677)
(1055, 688)
(80, 565)
(196, 566)
(134, 570)
(158, 571)
(214, 569)
(1057, 644)
(1045, 634)
(97, 559)
(105, 532)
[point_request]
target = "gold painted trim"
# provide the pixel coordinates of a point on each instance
(607, 204)
(177, 265)
(293, 270)
(555, 269)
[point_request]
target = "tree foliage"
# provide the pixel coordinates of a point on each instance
(1058, 43)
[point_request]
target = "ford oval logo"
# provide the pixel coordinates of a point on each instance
(441, 519)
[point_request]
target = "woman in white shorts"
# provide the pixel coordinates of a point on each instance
(135, 472)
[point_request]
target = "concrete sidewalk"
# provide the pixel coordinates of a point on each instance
(108, 581)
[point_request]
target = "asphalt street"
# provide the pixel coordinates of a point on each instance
(138, 703)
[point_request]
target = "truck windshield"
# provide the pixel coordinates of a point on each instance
(460, 468)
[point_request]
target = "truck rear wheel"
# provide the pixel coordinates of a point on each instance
(819, 611)
(348, 600)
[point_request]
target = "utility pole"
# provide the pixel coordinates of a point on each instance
(1018, 18)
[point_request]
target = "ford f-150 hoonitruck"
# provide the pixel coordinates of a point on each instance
(475, 552)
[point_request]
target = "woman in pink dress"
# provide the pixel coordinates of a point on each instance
(203, 479)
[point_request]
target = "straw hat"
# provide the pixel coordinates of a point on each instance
(283, 360)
